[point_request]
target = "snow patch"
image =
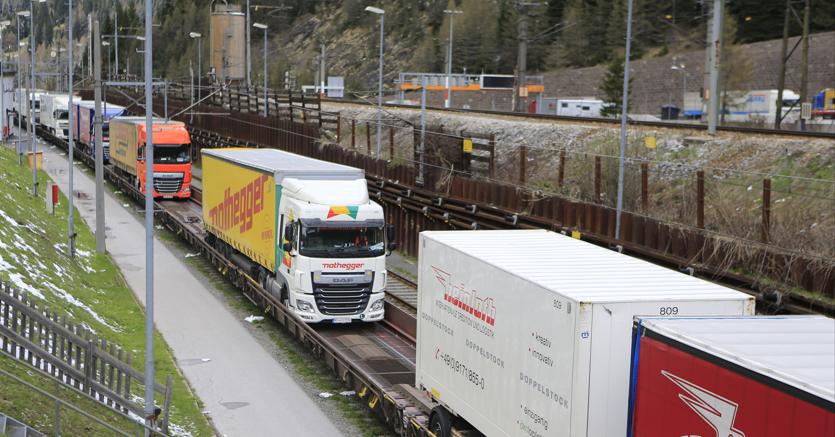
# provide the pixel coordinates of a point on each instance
(253, 319)
(17, 280)
(72, 300)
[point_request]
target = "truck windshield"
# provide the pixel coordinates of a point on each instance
(62, 115)
(171, 154)
(336, 242)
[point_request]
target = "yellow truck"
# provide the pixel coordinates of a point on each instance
(305, 229)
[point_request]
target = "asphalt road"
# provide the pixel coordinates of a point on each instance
(245, 390)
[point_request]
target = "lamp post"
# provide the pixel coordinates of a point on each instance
(199, 37)
(19, 109)
(684, 87)
(109, 65)
(382, 15)
(70, 144)
(448, 99)
(31, 123)
(264, 28)
(3, 25)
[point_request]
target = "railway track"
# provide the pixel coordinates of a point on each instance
(596, 120)
(375, 360)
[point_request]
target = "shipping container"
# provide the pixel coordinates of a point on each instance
(303, 228)
(527, 332)
(733, 377)
(172, 154)
(84, 115)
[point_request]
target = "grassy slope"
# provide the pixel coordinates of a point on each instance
(90, 288)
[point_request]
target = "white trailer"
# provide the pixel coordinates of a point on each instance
(528, 332)
(55, 114)
(21, 103)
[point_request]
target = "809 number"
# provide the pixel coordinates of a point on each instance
(668, 311)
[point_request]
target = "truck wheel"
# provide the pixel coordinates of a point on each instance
(284, 296)
(440, 422)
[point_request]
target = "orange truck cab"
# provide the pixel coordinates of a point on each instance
(172, 160)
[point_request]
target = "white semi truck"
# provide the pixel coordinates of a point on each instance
(305, 229)
(55, 114)
(528, 332)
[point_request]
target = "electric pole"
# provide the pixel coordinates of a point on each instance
(70, 143)
(323, 78)
(522, 60)
(448, 99)
(804, 61)
(781, 78)
(715, 64)
(786, 54)
(100, 247)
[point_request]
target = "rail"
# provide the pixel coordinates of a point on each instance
(601, 120)
(379, 394)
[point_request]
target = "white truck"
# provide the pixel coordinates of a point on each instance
(305, 229)
(55, 114)
(528, 332)
(21, 103)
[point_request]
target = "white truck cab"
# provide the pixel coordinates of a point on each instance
(305, 229)
(333, 260)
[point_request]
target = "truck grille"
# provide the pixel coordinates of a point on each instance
(341, 300)
(106, 152)
(168, 185)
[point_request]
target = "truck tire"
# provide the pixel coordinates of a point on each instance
(440, 422)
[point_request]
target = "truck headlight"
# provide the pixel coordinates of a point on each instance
(304, 306)
(377, 306)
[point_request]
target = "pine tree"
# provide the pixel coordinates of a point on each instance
(611, 87)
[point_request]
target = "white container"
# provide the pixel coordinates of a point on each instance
(529, 332)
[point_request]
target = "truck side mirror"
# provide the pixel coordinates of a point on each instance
(287, 247)
(289, 230)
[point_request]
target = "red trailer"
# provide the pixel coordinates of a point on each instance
(733, 377)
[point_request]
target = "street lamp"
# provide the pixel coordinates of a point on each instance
(109, 64)
(684, 88)
(448, 99)
(199, 37)
(3, 25)
(264, 27)
(32, 100)
(19, 108)
(382, 15)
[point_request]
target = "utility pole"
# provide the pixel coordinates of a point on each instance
(248, 51)
(116, 42)
(522, 60)
(100, 246)
(781, 78)
(149, 219)
(33, 48)
(422, 128)
(804, 61)
(322, 75)
(715, 64)
(70, 143)
(623, 113)
(90, 44)
(448, 99)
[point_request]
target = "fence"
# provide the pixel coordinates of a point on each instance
(72, 355)
(576, 196)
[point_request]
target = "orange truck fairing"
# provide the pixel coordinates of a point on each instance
(172, 164)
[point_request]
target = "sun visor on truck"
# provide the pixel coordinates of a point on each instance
(352, 224)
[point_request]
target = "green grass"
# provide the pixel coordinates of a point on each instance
(89, 288)
(302, 363)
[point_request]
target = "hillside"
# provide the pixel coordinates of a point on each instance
(562, 33)
(89, 289)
